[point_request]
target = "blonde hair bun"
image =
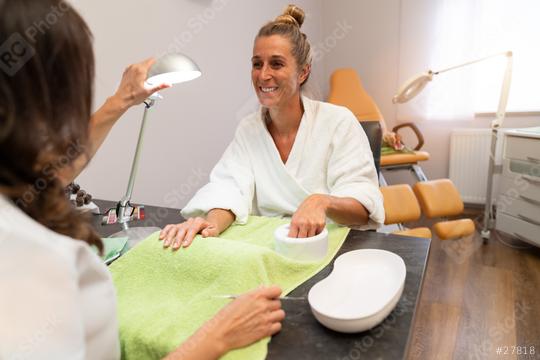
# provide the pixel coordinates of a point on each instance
(292, 15)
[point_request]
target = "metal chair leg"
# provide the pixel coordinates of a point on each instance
(419, 173)
(382, 180)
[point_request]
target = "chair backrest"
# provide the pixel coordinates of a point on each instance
(400, 204)
(346, 90)
(374, 135)
(438, 198)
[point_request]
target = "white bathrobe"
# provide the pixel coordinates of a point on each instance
(330, 155)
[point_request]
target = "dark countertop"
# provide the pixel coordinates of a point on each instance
(302, 337)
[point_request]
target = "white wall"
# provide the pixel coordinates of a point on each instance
(188, 130)
(371, 46)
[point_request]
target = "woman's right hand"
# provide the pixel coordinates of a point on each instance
(182, 234)
(393, 140)
(251, 317)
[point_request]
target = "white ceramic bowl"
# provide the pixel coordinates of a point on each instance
(302, 249)
(363, 288)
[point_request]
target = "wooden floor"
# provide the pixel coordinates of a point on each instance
(477, 298)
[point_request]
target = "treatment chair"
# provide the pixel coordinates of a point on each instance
(346, 90)
(401, 206)
(440, 198)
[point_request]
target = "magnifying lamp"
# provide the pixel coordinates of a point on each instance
(170, 69)
(412, 87)
(415, 85)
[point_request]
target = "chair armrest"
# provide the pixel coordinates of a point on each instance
(416, 131)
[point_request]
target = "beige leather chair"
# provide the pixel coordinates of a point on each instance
(346, 90)
(440, 198)
(401, 206)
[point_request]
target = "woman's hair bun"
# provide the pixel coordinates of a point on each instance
(292, 15)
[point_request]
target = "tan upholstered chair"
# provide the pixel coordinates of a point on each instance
(440, 198)
(346, 90)
(401, 206)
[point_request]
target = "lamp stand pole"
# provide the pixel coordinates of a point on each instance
(134, 234)
(495, 124)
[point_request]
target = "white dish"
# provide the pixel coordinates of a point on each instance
(363, 288)
(313, 248)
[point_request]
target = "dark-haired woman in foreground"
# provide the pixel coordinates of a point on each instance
(57, 300)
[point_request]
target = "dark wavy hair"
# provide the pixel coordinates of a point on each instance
(46, 86)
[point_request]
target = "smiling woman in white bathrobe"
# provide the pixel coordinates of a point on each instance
(294, 157)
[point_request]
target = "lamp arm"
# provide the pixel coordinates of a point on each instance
(124, 202)
(506, 53)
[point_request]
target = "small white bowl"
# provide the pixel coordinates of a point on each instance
(313, 248)
(363, 288)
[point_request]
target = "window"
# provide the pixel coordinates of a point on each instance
(436, 34)
(509, 25)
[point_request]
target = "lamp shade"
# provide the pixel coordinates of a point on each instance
(412, 87)
(173, 69)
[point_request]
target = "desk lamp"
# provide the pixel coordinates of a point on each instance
(169, 69)
(413, 86)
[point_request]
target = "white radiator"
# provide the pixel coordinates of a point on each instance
(469, 160)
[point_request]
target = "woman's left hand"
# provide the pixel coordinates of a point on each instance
(310, 217)
(132, 89)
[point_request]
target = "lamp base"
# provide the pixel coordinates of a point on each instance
(136, 234)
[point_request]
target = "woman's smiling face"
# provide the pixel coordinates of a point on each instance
(274, 72)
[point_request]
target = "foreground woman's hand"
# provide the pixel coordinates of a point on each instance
(310, 217)
(132, 89)
(182, 234)
(251, 317)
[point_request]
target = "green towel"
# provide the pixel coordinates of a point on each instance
(388, 150)
(164, 296)
(112, 248)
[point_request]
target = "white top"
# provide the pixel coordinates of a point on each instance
(530, 132)
(330, 155)
(57, 299)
